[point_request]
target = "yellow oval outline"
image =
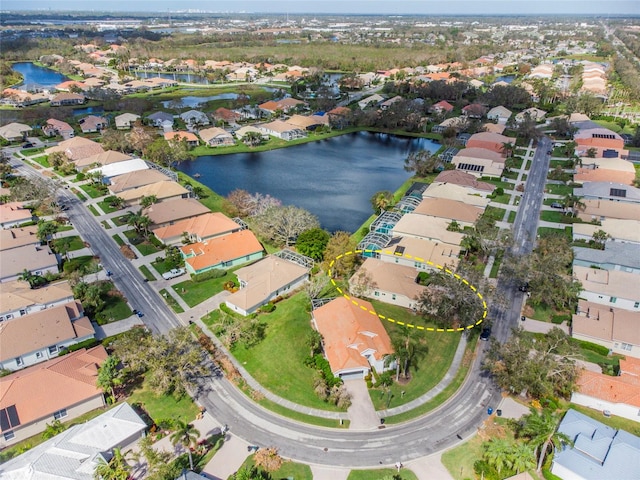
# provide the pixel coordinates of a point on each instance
(417, 259)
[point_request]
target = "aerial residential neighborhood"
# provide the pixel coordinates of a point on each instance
(319, 245)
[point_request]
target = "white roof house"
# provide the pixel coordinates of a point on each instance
(120, 168)
(75, 453)
(500, 114)
(126, 120)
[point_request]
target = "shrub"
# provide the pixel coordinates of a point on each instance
(215, 273)
(267, 308)
(92, 342)
(558, 319)
(594, 347)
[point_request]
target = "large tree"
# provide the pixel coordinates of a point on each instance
(545, 366)
(313, 242)
(421, 163)
(282, 225)
(381, 201)
(540, 428)
(109, 376)
(339, 244)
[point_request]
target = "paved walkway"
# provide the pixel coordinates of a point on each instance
(362, 414)
(228, 459)
(429, 468)
(531, 325)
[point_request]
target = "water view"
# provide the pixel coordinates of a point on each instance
(192, 101)
(36, 77)
(334, 178)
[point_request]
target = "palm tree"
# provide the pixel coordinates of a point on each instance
(508, 148)
(115, 469)
(540, 428)
(522, 457)
(381, 201)
(139, 222)
(572, 204)
(187, 435)
(496, 453)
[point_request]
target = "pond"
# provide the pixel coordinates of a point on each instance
(36, 77)
(178, 77)
(98, 110)
(193, 102)
(506, 78)
(334, 178)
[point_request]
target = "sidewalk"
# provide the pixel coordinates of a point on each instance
(228, 459)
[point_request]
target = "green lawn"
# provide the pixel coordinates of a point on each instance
(210, 198)
(496, 265)
(85, 264)
(428, 370)
(559, 189)
(512, 216)
(145, 247)
(42, 160)
(106, 225)
(32, 151)
(64, 228)
(67, 244)
(106, 208)
(497, 182)
(79, 194)
(115, 308)
(194, 293)
(495, 213)
(147, 273)
(443, 396)
(381, 473)
(289, 469)
(118, 239)
(559, 163)
(94, 191)
(553, 216)
(512, 175)
(459, 460)
(277, 362)
(120, 221)
(94, 211)
(162, 407)
(545, 231)
(502, 198)
(175, 306)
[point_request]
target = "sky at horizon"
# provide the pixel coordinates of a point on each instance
(370, 7)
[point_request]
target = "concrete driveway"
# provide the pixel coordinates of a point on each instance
(362, 415)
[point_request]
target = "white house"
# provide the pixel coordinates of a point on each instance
(609, 287)
(126, 120)
(499, 114)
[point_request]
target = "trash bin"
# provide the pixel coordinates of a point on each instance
(499, 412)
(489, 411)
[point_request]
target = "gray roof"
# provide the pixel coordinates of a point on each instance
(604, 190)
(615, 253)
(161, 116)
(74, 453)
(599, 452)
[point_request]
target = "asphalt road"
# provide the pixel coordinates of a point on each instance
(458, 418)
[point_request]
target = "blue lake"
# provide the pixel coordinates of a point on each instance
(37, 77)
(334, 179)
(192, 102)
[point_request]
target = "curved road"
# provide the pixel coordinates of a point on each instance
(458, 418)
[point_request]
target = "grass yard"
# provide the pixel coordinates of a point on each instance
(67, 244)
(496, 265)
(144, 246)
(94, 191)
(64, 228)
(120, 221)
(175, 306)
(443, 396)
(79, 194)
(512, 217)
(277, 362)
(497, 182)
(85, 264)
(106, 208)
(210, 198)
(382, 473)
(118, 239)
(429, 368)
(194, 293)
(502, 198)
(115, 308)
(105, 224)
(553, 216)
(147, 273)
(289, 469)
(563, 190)
(42, 160)
(495, 213)
(94, 211)
(32, 151)
(459, 460)
(546, 231)
(560, 163)
(161, 407)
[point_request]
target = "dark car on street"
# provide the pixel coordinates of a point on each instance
(485, 334)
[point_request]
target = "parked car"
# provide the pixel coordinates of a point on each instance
(173, 273)
(485, 334)
(556, 205)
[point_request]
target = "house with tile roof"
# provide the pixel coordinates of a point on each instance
(265, 280)
(285, 105)
(76, 148)
(17, 298)
(387, 282)
(37, 259)
(371, 101)
(474, 110)
(499, 114)
(455, 123)
(283, 130)
(463, 179)
(442, 106)
(413, 225)
(40, 336)
(600, 210)
(75, 453)
(619, 231)
(59, 389)
(600, 138)
(605, 170)
(174, 210)
(126, 120)
(18, 237)
(308, 122)
(92, 123)
(620, 395)
(135, 179)
(66, 99)
(463, 213)
(228, 116)
(99, 159)
(197, 229)
(611, 327)
(53, 127)
(222, 252)
(479, 162)
(494, 128)
(491, 141)
(15, 132)
(354, 339)
(216, 137)
(609, 287)
(468, 195)
(189, 137)
(163, 190)
(420, 253)
(597, 451)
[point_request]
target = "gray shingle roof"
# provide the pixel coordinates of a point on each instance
(615, 253)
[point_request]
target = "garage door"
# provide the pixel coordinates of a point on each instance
(353, 376)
